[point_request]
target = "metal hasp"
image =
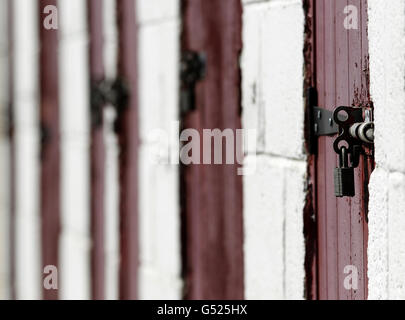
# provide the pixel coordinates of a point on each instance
(354, 127)
(192, 70)
(114, 92)
(354, 131)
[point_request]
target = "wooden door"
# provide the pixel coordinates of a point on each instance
(50, 145)
(128, 138)
(212, 194)
(340, 76)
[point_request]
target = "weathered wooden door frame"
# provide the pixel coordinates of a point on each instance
(337, 66)
(50, 145)
(97, 151)
(212, 227)
(128, 138)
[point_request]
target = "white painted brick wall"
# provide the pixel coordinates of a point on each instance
(111, 198)
(25, 98)
(386, 253)
(4, 156)
(159, 214)
(74, 98)
(274, 197)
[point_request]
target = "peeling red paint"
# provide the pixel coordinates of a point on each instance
(212, 194)
(128, 139)
(339, 79)
(310, 231)
(50, 146)
(97, 153)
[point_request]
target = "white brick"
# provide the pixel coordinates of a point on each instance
(75, 186)
(110, 38)
(386, 255)
(74, 118)
(111, 192)
(274, 197)
(246, 2)
(387, 65)
(111, 202)
(4, 85)
(155, 10)
(25, 51)
(3, 27)
(263, 229)
(282, 79)
(74, 272)
(396, 239)
(25, 93)
(160, 249)
(158, 74)
(72, 18)
(295, 180)
(4, 217)
(252, 100)
(155, 285)
(4, 159)
(378, 235)
(74, 84)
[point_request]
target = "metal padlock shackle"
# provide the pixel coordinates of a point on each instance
(343, 158)
(344, 176)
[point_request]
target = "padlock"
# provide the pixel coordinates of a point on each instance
(344, 176)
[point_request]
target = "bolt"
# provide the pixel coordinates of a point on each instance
(370, 134)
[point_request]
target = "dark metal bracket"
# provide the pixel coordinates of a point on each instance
(354, 128)
(114, 92)
(192, 70)
(345, 117)
(324, 124)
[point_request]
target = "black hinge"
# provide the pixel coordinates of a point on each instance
(192, 70)
(114, 92)
(323, 123)
(311, 102)
(320, 120)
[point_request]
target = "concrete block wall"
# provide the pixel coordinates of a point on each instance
(5, 154)
(274, 196)
(26, 123)
(386, 249)
(74, 251)
(159, 212)
(111, 195)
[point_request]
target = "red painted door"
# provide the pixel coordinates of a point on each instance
(212, 193)
(50, 145)
(340, 75)
(97, 150)
(128, 138)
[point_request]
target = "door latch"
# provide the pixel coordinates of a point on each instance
(114, 92)
(192, 70)
(354, 132)
(354, 128)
